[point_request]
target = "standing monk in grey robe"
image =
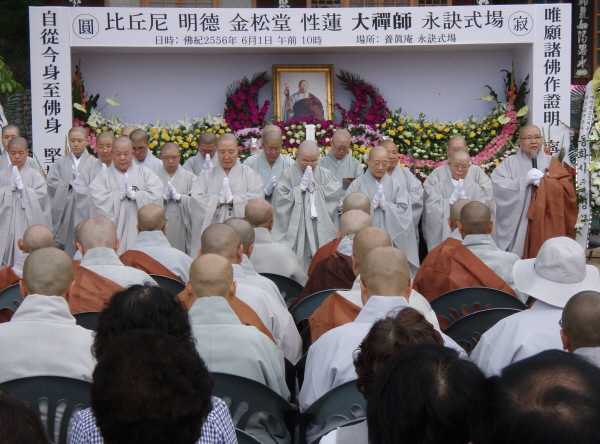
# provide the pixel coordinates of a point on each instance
(455, 187)
(407, 180)
(141, 151)
(513, 181)
(9, 132)
(81, 185)
(269, 163)
(305, 203)
(23, 201)
(338, 161)
(121, 190)
(475, 174)
(224, 190)
(177, 183)
(203, 160)
(60, 179)
(390, 204)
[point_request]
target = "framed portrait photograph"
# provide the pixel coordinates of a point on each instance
(303, 91)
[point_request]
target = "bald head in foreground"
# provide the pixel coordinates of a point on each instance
(366, 240)
(211, 275)
(48, 272)
(385, 271)
(244, 231)
(475, 218)
(455, 210)
(34, 238)
(356, 201)
(259, 213)
(151, 217)
(96, 232)
(580, 325)
(224, 241)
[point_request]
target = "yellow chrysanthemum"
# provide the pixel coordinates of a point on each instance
(388, 120)
(177, 131)
(439, 136)
(153, 130)
(209, 130)
(217, 128)
(392, 132)
(471, 134)
(155, 136)
(194, 143)
(221, 131)
(407, 141)
(197, 131)
(383, 125)
(493, 132)
(459, 125)
(186, 145)
(104, 128)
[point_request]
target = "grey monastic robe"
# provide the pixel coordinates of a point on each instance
(31, 163)
(294, 226)
(397, 218)
(81, 191)
(62, 198)
(513, 197)
(151, 162)
(414, 187)
(179, 231)
(260, 164)
(346, 168)
(245, 185)
(20, 211)
(157, 246)
(196, 163)
(106, 200)
(475, 173)
(437, 209)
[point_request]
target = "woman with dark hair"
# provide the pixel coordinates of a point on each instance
(422, 395)
(19, 423)
(386, 337)
(142, 307)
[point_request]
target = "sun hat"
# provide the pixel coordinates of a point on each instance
(558, 272)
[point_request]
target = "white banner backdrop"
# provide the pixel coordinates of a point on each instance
(539, 36)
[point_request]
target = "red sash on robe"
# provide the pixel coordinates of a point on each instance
(336, 310)
(553, 210)
(142, 261)
(332, 272)
(7, 278)
(325, 251)
(460, 268)
(244, 312)
(424, 280)
(90, 291)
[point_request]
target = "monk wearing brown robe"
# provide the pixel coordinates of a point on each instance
(335, 271)
(353, 201)
(425, 279)
(343, 307)
(477, 261)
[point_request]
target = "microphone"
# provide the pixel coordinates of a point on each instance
(534, 160)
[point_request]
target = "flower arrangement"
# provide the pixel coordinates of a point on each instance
(368, 106)
(245, 137)
(241, 104)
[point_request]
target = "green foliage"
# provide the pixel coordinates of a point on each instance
(82, 105)
(7, 83)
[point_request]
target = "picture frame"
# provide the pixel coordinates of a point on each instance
(292, 98)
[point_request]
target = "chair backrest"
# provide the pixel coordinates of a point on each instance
(307, 306)
(55, 398)
(169, 284)
(87, 319)
(244, 438)
(289, 288)
(11, 298)
(246, 398)
(344, 403)
(467, 330)
(458, 303)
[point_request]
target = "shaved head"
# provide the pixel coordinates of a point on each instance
(388, 144)
(127, 129)
(353, 221)
(105, 135)
(385, 271)
(307, 147)
(169, 146)
(475, 218)
(367, 239)
(10, 128)
(207, 138)
(36, 237)
(211, 275)
(227, 137)
(48, 271)
(456, 208)
(528, 127)
(458, 155)
(357, 201)
(581, 319)
(341, 134)
(271, 136)
(151, 217)
(97, 232)
(139, 135)
(259, 213)
(220, 239)
(18, 142)
(78, 129)
(244, 231)
(269, 127)
(378, 150)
